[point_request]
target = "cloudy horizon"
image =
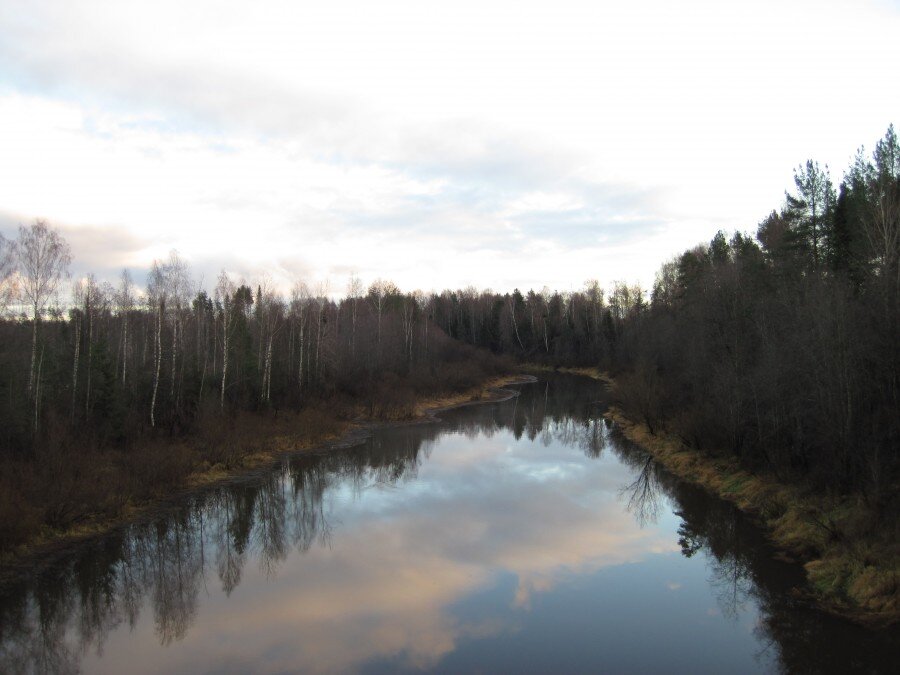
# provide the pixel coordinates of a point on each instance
(498, 145)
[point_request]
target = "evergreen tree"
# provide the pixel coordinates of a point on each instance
(811, 211)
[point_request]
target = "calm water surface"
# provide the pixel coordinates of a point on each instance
(523, 536)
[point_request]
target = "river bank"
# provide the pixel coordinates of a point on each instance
(239, 447)
(852, 562)
(529, 515)
(851, 558)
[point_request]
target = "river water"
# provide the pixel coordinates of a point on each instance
(521, 536)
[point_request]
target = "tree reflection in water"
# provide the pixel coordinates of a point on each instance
(47, 622)
(644, 499)
(743, 567)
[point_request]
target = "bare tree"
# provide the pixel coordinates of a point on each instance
(423, 302)
(322, 303)
(300, 301)
(378, 294)
(408, 306)
(78, 299)
(95, 300)
(511, 303)
(354, 293)
(883, 224)
(7, 273)
(43, 257)
(179, 283)
(157, 294)
(225, 290)
(271, 314)
(125, 301)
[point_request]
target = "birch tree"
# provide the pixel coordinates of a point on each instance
(354, 293)
(125, 302)
(78, 301)
(225, 290)
(43, 257)
(378, 296)
(423, 301)
(7, 274)
(321, 304)
(157, 294)
(271, 315)
(94, 300)
(179, 284)
(203, 312)
(409, 314)
(883, 226)
(300, 300)
(512, 301)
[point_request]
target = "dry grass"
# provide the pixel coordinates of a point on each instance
(852, 562)
(482, 392)
(68, 495)
(593, 373)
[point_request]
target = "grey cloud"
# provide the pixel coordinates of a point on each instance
(483, 168)
(9, 224)
(101, 250)
(471, 214)
(39, 55)
(583, 228)
(93, 247)
(99, 72)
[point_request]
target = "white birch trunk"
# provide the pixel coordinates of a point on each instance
(158, 364)
(77, 327)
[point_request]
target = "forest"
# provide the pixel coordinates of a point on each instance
(779, 348)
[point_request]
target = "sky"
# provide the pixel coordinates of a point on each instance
(439, 145)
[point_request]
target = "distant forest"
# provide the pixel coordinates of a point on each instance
(780, 349)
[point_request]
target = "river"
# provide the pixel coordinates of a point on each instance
(519, 536)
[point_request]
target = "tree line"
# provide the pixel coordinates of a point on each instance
(781, 349)
(122, 361)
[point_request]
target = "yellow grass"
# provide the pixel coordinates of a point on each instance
(853, 568)
(481, 393)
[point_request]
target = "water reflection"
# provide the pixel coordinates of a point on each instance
(370, 558)
(742, 571)
(644, 492)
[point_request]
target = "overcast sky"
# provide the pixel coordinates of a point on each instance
(500, 144)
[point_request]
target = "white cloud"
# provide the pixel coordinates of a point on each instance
(501, 144)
